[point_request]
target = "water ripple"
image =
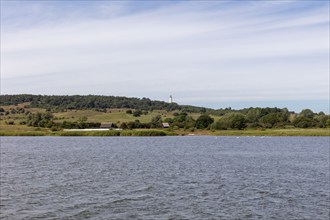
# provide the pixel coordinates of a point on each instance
(164, 178)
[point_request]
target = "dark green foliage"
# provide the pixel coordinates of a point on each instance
(237, 121)
(253, 115)
(62, 103)
(123, 125)
(137, 113)
(203, 121)
(14, 111)
(307, 113)
(232, 121)
(134, 124)
(80, 124)
(181, 120)
(302, 122)
(270, 119)
(10, 122)
(40, 119)
(46, 120)
(156, 122)
(129, 112)
(323, 120)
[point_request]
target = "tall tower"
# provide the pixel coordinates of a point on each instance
(170, 99)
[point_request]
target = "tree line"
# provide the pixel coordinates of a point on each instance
(230, 118)
(78, 102)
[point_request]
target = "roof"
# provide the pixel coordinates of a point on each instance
(107, 125)
(165, 125)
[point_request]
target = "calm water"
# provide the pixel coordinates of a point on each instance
(165, 178)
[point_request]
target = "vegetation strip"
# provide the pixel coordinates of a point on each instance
(267, 132)
(53, 115)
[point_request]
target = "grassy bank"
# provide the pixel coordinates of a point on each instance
(88, 133)
(164, 132)
(266, 132)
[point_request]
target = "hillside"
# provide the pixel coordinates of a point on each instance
(29, 112)
(78, 102)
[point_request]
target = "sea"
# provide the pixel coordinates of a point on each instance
(195, 177)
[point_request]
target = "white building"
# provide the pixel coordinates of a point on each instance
(170, 100)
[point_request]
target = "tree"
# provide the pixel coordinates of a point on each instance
(40, 119)
(203, 121)
(253, 115)
(306, 113)
(303, 122)
(231, 120)
(322, 120)
(123, 125)
(156, 122)
(270, 120)
(238, 121)
(137, 113)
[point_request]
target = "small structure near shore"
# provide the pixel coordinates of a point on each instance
(165, 125)
(109, 125)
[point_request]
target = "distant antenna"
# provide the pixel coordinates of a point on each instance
(170, 99)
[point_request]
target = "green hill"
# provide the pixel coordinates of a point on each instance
(37, 112)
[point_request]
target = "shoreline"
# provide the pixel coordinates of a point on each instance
(147, 133)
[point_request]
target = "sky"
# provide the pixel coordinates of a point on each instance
(214, 54)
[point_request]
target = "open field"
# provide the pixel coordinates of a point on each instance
(112, 115)
(116, 115)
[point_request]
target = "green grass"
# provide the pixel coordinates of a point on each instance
(113, 115)
(24, 133)
(167, 132)
(267, 132)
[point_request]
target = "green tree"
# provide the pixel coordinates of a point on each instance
(306, 113)
(203, 121)
(156, 122)
(123, 125)
(303, 122)
(253, 115)
(321, 120)
(137, 113)
(39, 119)
(232, 121)
(270, 119)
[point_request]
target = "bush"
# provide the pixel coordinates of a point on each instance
(10, 122)
(303, 122)
(231, 120)
(203, 121)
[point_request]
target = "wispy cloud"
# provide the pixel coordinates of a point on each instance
(216, 51)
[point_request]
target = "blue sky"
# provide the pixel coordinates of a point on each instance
(207, 53)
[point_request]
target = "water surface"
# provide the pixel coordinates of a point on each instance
(165, 178)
